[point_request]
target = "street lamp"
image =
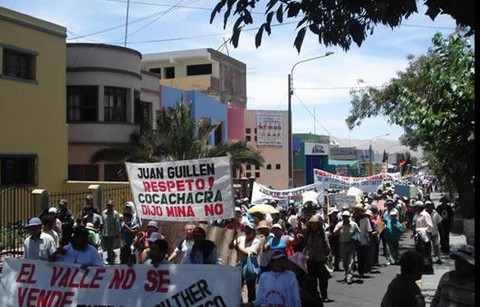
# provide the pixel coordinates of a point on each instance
(370, 151)
(290, 136)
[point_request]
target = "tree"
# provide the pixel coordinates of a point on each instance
(434, 102)
(337, 23)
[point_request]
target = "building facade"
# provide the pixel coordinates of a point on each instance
(33, 130)
(109, 97)
(205, 70)
(267, 131)
(309, 151)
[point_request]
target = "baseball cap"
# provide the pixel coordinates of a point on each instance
(153, 224)
(393, 212)
(52, 210)
(155, 236)
(277, 226)
(345, 213)
(34, 221)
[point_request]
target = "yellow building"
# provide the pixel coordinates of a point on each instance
(33, 130)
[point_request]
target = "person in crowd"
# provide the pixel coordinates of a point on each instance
(389, 206)
(309, 295)
(133, 209)
(247, 245)
(434, 234)
(57, 224)
(333, 240)
(446, 212)
(65, 216)
(157, 251)
(344, 229)
(317, 250)
(257, 217)
(375, 243)
(277, 240)
(278, 286)
(263, 231)
(423, 228)
(185, 244)
(203, 251)
(110, 231)
(92, 217)
(128, 233)
(457, 287)
(237, 222)
(141, 243)
(80, 251)
(393, 233)
(363, 251)
(403, 289)
(48, 222)
(38, 245)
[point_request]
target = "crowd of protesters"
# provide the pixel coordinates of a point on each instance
(302, 239)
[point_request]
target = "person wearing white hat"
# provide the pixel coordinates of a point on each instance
(141, 243)
(38, 245)
(457, 287)
(422, 229)
(393, 233)
(344, 230)
(333, 240)
(57, 226)
(110, 231)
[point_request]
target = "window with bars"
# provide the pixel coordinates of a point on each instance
(114, 172)
(18, 170)
(115, 104)
(18, 64)
(82, 103)
(83, 172)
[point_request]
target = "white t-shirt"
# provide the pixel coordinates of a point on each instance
(365, 229)
(40, 249)
(89, 256)
(252, 247)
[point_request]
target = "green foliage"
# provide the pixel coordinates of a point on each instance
(434, 101)
(335, 23)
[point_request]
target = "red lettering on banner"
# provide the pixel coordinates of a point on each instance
(157, 281)
(213, 209)
(97, 277)
(180, 211)
(65, 277)
(26, 270)
(44, 298)
(122, 278)
(152, 210)
(180, 185)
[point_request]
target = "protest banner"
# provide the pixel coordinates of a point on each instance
(40, 283)
(188, 190)
(338, 200)
(326, 180)
(261, 192)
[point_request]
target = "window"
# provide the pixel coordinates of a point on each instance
(257, 167)
(269, 166)
(257, 174)
(115, 103)
(169, 72)
(219, 134)
(248, 174)
(248, 138)
(277, 166)
(201, 69)
(18, 170)
(83, 172)
(82, 103)
(248, 167)
(19, 63)
(248, 130)
(143, 111)
(114, 172)
(156, 70)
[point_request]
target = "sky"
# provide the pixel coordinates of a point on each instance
(321, 99)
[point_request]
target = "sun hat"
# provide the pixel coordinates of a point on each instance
(428, 202)
(332, 210)
(389, 201)
(53, 210)
(155, 236)
(368, 212)
(89, 197)
(63, 202)
(277, 254)
(90, 226)
(359, 208)
(465, 252)
(277, 226)
(153, 224)
(300, 260)
(263, 224)
(34, 221)
(314, 219)
(393, 212)
(418, 203)
(346, 213)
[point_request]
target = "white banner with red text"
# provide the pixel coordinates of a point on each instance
(327, 180)
(40, 283)
(188, 190)
(261, 192)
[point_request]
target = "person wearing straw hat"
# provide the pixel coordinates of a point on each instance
(247, 245)
(422, 228)
(344, 230)
(38, 245)
(279, 286)
(317, 250)
(363, 251)
(263, 231)
(308, 292)
(457, 287)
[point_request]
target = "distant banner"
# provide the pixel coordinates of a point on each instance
(269, 129)
(393, 176)
(261, 192)
(40, 283)
(327, 180)
(189, 190)
(339, 200)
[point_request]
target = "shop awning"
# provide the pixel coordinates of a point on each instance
(350, 163)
